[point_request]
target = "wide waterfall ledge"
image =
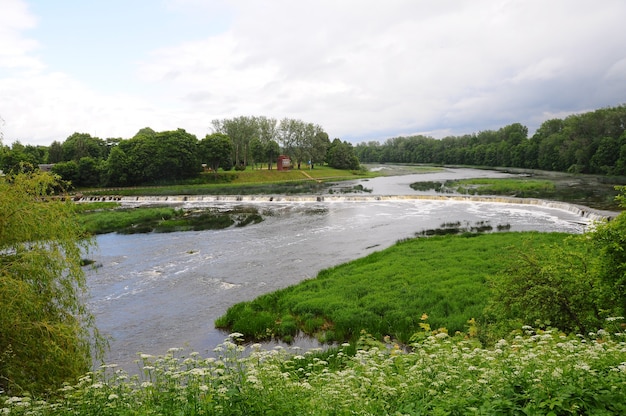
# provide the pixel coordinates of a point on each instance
(190, 200)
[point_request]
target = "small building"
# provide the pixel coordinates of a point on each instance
(283, 163)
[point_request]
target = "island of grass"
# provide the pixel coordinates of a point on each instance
(387, 292)
(107, 217)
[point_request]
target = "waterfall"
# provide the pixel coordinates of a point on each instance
(583, 211)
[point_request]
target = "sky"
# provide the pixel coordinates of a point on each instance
(361, 69)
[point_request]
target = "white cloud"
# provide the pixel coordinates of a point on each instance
(15, 48)
(361, 69)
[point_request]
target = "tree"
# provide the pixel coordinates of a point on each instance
(241, 131)
(257, 151)
(47, 335)
(272, 150)
(89, 172)
(117, 167)
(341, 156)
(55, 152)
(215, 150)
(82, 145)
(18, 155)
(175, 156)
(320, 145)
(68, 171)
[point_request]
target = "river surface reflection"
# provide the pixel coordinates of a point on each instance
(156, 291)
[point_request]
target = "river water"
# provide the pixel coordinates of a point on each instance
(157, 291)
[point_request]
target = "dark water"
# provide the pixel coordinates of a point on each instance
(157, 291)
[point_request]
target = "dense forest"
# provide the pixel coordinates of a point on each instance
(151, 157)
(592, 142)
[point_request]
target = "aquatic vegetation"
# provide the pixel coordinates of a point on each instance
(520, 187)
(166, 219)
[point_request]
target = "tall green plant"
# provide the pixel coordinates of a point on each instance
(557, 285)
(47, 334)
(610, 238)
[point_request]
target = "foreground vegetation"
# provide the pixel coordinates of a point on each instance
(531, 372)
(47, 333)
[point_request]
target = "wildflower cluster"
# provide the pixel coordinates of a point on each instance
(531, 372)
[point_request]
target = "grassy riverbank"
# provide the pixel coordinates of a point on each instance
(387, 292)
(247, 182)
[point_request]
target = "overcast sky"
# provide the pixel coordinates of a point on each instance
(362, 69)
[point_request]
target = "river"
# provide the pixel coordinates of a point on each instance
(156, 291)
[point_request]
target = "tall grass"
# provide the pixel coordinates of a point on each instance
(387, 292)
(530, 372)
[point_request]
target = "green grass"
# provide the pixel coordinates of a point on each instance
(520, 187)
(387, 292)
(504, 186)
(246, 182)
(165, 219)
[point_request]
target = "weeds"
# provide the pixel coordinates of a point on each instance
(530, 372)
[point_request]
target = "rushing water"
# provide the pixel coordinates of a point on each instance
(156, 291)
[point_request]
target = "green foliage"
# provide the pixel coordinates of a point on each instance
(215, 151)
(341, 156)
(592, 142)
(558, 285)
(386, 292)
(531, 372)
(125, 220)
(163, 219)
(46, 333)
(610, 239)
(523, 188)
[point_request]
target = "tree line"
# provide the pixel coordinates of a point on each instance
(158, 157)
(593, 142)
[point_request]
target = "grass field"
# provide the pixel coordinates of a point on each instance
(387, 292)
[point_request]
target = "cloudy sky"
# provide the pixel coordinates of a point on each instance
(362, 69)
